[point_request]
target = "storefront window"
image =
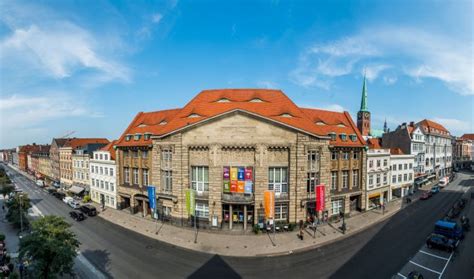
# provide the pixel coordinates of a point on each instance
(281, 212)
(336, 207)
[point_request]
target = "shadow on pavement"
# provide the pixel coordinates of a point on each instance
(467, 182)
(215, 267)
(100, 259)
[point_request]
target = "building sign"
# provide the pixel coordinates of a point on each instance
(238, 180)
(190, 201)
(151, 197)
(320, 197)
(269, 204)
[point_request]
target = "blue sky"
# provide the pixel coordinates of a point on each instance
(90, 66)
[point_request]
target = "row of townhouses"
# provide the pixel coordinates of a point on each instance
(232, 145)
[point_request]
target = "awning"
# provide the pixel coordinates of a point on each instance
(374, 195)
(76, 189)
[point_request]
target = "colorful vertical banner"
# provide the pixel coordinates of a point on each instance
(248, 187)
(240, 186)
(248, 173)
(233, 173)
(233, 186)
(320, 197)
(241, 174)
(190, 201)
(226, 173)
(226, 186)
(151, 197)
(269, 204)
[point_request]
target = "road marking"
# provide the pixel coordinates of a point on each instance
(437, 272)
(89, 266)
(433, 255)
(444, 268)
(401, 275)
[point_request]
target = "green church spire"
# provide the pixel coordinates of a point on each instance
(363, 103)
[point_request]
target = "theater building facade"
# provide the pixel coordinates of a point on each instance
(230, 146)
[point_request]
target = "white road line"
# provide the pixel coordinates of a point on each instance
(433, 255)
(437, 272)
(401, 275)
(444, 268)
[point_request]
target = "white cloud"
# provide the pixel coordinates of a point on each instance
(330, 107)
(388, 79)
(267, 84)
(156, 18)
(59, 50)
(454, 125)
(372, 71)
(409, 51)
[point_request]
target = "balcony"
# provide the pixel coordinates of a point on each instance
(237, 198)
(204, 195)
(281, 197)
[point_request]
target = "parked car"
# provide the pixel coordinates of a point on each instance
(74, 204)
(56, 184)
(59, 195)
(67, 199)
(76, 215)
(448, 229)
(88, 209)
(440, 242)
(40, 182)
(52, 190)
(426, 195)
(435, 189)
(415, 275)
(454, 212)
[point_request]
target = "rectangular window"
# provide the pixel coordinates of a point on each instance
(135, 176)
(345, 156)
(378, 179)
(145, 177)
(405, 177)
(378, 163)
(100, 156)
(96, 169)
(394, 179)
(106, 171)
(101, 170)
(144, 154)
(406, 166)
(411, 165)
(281, 212)
(200, 179)
(371, 180)
(336, 207)
(385, 179)
(278, 180)
(135, 154)
(355, 155)
(410, 176)
(112, 201)
(399, 178)
(334, 180)
(334, 155)
(385, 162)
(400, 166)
(167, 180)
(106, 157)
(106, 185)
(112, 188)
(126, 175)
(92, 169)
(345, 179)
(111, 172)
(313, 171)
(371, 163)
(202, 210)
(312, 181)
(166, 159)
(93, 182)
(355, 178)
(101, 184)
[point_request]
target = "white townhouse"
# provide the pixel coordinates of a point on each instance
(103, 176)
(378, 174)
(402, 173)
(438, 158)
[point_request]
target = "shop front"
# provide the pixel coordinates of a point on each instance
(377, 198)
(238, 216)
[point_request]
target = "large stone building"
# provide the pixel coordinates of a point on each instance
(438, 155)
(463, 152)
(56, 143)
(65, 156)
(81, 157)
(232, 145)
(25, 151)
(103, 172)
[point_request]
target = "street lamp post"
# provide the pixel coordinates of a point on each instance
(21, 214)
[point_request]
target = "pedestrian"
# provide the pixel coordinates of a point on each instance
(3, 207)
(301, 229)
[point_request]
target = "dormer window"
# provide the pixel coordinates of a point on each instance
(142, 125)
(147, 136)
(223, 100)
(320, 123)
(287, 115)
(343, 137)
(353, 137)
(137, 136)
(128, 137)
(341, 125)
(194, 115)
(256, 100)
(163, 122)
(332, 135)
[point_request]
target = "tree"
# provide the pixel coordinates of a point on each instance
(50, 247)
(18, 210)
(6, 189)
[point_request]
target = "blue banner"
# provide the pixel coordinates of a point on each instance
(152, 197)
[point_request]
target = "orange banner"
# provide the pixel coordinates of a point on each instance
(240, 186)
(269, 204)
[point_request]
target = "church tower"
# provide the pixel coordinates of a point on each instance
(363, 116)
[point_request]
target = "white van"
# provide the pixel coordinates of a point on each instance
(67, 200)
(443, 181)
(40, 182)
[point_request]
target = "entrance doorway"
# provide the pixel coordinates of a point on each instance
(236, 215)
(355, 203)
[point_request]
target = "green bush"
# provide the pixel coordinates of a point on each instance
(256, 229)
(2, 237)
(86, 199)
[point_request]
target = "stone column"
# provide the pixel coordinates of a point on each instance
(230, 216)
(245, 217)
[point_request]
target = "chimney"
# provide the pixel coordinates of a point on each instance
(412, 123)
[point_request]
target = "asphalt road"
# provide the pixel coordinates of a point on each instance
(378, 252)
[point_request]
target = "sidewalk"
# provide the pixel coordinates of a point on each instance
(11, 234)
(248, 245)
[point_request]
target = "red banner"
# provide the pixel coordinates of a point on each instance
(319, 197)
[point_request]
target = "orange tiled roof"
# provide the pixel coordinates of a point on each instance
(270, 104)
(432, 126)
(468, 136)
(374, 143)
(396, 151)
(110, 148)
(78, 142)
(30, 148)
